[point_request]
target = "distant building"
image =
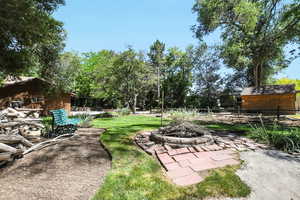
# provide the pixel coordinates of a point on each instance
(269, 99)
(30, 92)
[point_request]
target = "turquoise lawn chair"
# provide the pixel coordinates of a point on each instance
(61, 124)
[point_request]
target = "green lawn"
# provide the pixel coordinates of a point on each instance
(137, 176)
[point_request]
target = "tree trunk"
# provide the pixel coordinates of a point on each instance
(132, 104)
(7, 156)
(15, 139)
(6, 148)
(258, 75)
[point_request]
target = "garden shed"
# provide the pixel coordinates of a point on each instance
(35, 93)
(269, 99)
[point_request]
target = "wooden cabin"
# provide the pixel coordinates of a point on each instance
(270, 99)
(34, 93)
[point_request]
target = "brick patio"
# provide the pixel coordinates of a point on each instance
(183, 165)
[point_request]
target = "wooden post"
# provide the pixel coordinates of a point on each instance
(162, 106)
(278, 113)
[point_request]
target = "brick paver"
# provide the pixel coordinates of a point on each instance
(182, 150)
(219, 157)
(191, 179)
(203, 154)
(203, 165)
(180, 172)
(165, 158)
(172, 166)
(172, 152)
(183, 164)
(186, 156)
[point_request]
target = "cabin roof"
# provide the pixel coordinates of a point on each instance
(21, 80)
(269, 90)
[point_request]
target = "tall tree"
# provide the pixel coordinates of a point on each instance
(127, 78)
(157, 57)
(178, 77)
(92, 77)
(208, 81)
(254, 32)
(29, 35)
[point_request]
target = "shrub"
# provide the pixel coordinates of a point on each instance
(287, 140)
(85, 121)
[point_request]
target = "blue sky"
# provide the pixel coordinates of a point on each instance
(105, 24)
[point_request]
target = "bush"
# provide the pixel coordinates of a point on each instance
(287, 140)
(123, 111)
(86, 121)
(181, 115)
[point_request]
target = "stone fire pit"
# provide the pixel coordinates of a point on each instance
(185, 150)
(182, 135)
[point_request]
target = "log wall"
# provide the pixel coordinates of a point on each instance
(35, 89)
(270, 102)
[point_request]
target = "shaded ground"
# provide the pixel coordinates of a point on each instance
(73, 169)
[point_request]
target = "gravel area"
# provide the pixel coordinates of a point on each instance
(71, 170)
(271, 174)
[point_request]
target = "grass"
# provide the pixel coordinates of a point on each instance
(137, 176)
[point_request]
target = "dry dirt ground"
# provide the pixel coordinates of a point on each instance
(71, 170)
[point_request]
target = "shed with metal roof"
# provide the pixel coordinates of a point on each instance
(270, 99)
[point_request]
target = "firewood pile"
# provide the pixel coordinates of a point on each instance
(20, 133)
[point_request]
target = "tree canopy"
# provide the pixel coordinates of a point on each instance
(254, 33)
(30, 36)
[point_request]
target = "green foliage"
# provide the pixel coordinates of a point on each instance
(135, 175)
(157, 60)
(65, 72)
(85, 120)
(177, 77)
(284, 81)
(30, 36)
(283, 138)
(254, 33)
(208, 81)
(91, 77)
(47, 122)
(287, 140)
(130, 77)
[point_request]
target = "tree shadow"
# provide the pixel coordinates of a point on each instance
(280, 155)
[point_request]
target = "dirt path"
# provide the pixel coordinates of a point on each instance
(71, 170)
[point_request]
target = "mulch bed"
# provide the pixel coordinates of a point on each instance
(73, 169)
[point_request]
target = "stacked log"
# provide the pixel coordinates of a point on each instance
(15, 128)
